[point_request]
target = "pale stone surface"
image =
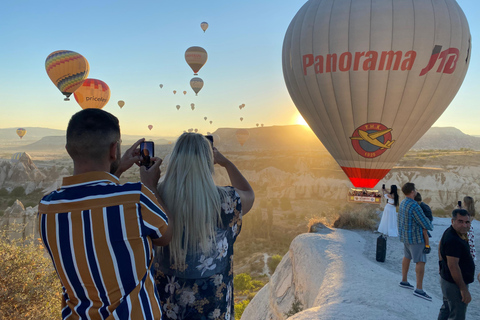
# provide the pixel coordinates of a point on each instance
(333, 273)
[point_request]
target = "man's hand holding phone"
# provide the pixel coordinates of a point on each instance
(130, 157)
(150, 176)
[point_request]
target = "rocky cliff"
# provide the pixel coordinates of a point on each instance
(21, 173)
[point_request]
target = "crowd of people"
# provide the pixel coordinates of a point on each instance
(456, 250)
(143, 250)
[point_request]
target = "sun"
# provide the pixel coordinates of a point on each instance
(301, 121)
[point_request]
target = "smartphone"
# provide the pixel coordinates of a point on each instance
(147, 151)
(460, 204)
(383, 186)
(210, 138)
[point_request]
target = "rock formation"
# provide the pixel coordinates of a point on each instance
(21, 173)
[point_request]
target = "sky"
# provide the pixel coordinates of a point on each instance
(134, 46)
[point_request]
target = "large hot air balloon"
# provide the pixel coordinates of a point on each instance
(196, 84)
(21, 132)
(178, 107)
(161, 86)
(196, 58)
(204, 26)
(121, 103)
(150, 127)
(371, 77)
(242, 136)
(67, 70)
(92, 94)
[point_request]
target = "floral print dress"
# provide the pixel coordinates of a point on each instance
(205, 289)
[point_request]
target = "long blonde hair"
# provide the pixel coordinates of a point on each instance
(469, 205)
(191, 196)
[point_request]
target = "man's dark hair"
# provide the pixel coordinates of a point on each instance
(418, 197)
(461, 212)
(408, 188)
(90, 133)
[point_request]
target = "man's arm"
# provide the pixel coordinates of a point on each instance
(149, 178)
(456, 273)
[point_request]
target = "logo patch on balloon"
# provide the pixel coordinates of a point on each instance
(371, 140)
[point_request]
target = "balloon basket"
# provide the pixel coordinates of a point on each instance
(359, 195)
(66, 99)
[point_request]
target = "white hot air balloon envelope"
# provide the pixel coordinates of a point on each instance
(196, 84)
(204, 26)
(371, 77)
(196, 58)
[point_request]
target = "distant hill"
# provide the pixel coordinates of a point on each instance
(446, 138)
(33, 133)
(293, 137)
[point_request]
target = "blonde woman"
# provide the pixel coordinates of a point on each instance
(194, 274)
(469, 205)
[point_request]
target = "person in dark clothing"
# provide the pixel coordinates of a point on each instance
(457, 268)
(428, 213)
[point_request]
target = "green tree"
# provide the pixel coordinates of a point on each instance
(18, 192)
(240, 308)
(273, 262)
(242, 282)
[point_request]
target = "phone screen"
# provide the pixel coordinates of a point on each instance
(460, 203)
(147, 151)
(210, 138)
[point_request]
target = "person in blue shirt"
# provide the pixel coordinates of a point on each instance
(411, 221)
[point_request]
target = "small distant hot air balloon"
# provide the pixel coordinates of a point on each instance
(93, 93)
(192, 106)
(190, 130)
(21, 132)
(243, 105)
(161, 86)
(178, 107)
(205, 118)
(204, 26)
(121, 103)
(261, 125)
(196, 58)
(241, 118)
(240, 107)
(208, 132)
(257, 125)
(196, 84)
(196, 130)
(184, 92)
(174, 91)
(67, 70)
(242, 136)
(150, 127)
(211, 121)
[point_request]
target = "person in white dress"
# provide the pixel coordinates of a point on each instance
(388, 222)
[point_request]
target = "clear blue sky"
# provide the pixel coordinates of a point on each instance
(135, 45)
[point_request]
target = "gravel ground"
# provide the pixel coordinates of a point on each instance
(431, 285)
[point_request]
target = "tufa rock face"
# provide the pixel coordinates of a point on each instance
(22, 173)
(326, 276)
(16, 210)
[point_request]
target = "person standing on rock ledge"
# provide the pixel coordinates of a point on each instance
(457, 268)
(411, 221)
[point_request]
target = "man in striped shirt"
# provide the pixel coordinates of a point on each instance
(411, 222)
(99, 233)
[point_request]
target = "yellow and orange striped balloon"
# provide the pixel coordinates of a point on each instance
(67, 70)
